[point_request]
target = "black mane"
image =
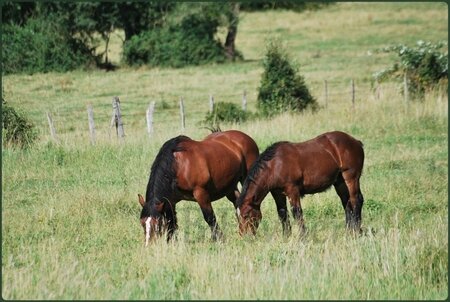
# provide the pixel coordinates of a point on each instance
(256, 167)
(162, 180)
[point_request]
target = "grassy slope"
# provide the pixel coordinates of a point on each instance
(69, 212)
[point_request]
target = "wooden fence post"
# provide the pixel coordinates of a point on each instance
(211, 103)
(405, 87)
(90, 112)
(118, 117)
(326, 92)
(52, 127)
(353, 93)
(183, 121)
(377, 90)
(244, 100)
(149, 115)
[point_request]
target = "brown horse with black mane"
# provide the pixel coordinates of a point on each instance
(201, 171)
(296, 169)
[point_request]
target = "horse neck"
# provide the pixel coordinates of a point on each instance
(257, 189)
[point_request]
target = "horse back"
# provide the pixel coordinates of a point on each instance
(218, 161)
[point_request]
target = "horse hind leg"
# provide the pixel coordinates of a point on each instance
(342, 191)
(356, 200)
(280, 201)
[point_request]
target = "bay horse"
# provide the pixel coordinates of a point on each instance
(293, 170)
(202, 171)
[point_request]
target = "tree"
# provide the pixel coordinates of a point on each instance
(233, 20)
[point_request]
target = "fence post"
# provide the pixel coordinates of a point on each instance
(183, 122)
(52, 127)
(90, 112)
(118, 117)
(149, 115)
(405, 87)
(326, 92)
(244, 100)
(353, 93)
(377, 90)
(211, 103)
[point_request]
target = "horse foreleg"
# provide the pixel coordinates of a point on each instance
(204, 201)
(280, 201)
(233, 197)
(294, 199)
(172, 225)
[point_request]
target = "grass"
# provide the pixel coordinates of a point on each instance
(70, 225)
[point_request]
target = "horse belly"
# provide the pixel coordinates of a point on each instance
(318, 178)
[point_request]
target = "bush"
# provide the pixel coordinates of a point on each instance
(226, 112)
(41, 45)
(189, 41)
(282, 88)
(16, 129)
(425, 66)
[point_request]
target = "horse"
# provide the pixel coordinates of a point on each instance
(292, 170)
(201, 171)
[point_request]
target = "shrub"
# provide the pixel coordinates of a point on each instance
(41, 45)
(226, 112)
(16, 129)
(425, 66)
(282, 88)
(188, 41)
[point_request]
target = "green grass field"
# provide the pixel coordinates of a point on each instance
(70, 226)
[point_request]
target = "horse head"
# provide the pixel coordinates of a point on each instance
(249, 216)
(151, 219)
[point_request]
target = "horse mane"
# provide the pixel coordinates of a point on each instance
(214, 129)
(256, 167)
(163, 174)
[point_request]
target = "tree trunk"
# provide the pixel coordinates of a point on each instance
(230, 50)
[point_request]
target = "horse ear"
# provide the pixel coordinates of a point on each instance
(141, 200)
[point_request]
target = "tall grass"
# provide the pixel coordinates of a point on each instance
(70, 225)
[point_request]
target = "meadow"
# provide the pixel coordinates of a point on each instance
(70, 227)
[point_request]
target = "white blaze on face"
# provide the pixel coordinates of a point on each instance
(147, 230)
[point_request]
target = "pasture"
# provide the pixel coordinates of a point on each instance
(70, 212)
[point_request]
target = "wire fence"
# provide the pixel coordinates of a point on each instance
(123, 112)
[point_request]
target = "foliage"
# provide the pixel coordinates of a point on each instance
(425, 66)
(83, 21)
(188, 39)
(17, 12)
(297, 6)
(226, 112)
(16, 129)
(42, 45)
(282, 88)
